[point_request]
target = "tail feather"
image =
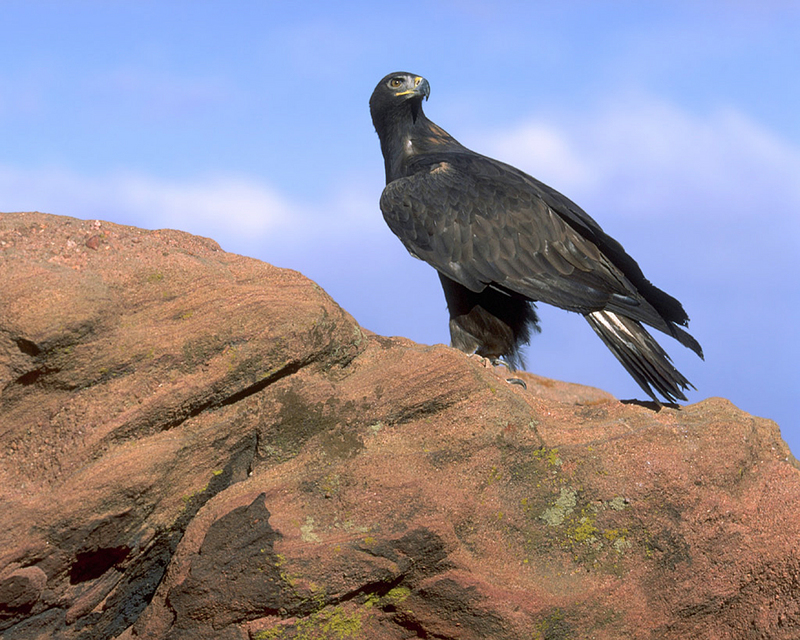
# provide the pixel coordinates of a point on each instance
(686, 340)
(640, 354)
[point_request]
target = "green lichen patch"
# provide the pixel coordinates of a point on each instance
(585, 530)
(307, 533)
(493, 476)
(549, 455)
(394, 597)
(563, 506)
(618, 504)
(330, 623)
(590, 532)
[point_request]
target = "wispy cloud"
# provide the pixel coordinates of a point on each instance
(643, 154)
(544, 149)
(241, 213)
(714, 197)
(218, 206)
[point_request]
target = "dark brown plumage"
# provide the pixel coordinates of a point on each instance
(501, 240)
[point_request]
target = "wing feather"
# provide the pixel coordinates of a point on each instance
(481, 222)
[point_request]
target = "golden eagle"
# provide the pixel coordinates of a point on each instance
(501, 240)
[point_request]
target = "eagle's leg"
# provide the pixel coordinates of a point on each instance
(491, 323)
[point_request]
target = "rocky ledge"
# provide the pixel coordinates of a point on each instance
(195, 444)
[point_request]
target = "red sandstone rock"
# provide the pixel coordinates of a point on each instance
(200, 445)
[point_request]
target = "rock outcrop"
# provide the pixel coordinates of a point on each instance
(200, 445)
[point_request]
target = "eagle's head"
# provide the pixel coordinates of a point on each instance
(399, 95)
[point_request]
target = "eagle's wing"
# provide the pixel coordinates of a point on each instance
(481, 222)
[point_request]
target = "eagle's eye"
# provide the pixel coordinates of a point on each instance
(396, 83)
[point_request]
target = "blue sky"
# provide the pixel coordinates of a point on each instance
(674, 124)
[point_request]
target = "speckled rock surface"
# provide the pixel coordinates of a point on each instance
(194, 444)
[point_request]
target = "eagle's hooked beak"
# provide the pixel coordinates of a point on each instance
(421, 89)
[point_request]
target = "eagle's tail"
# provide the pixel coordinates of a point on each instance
(640, 354)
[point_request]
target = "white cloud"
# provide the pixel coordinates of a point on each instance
(645, 155)
(543, 149)
(210, 206)
(244, 215)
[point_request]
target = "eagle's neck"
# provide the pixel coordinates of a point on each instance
(405, 133)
